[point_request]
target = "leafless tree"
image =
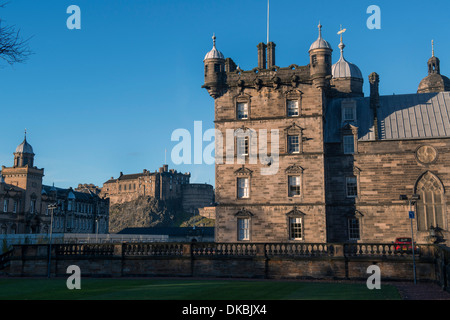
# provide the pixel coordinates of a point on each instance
(13, 48)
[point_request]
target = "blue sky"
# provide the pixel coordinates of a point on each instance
(106, 98)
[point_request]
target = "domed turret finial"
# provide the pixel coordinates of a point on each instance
(320, 29)
(341, 45)
(214, 39)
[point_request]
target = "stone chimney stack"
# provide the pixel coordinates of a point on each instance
(374, 80)
(270, 54)
(262, 55)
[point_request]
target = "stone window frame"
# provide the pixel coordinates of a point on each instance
(346, 131)
(242, 98)
(356, 215)
(252, 145)
(243, 173)
(428, 175)
(293, 130)
(293, 95)
(243, 214)
(294, 171)
(295, 213)
(357, 175)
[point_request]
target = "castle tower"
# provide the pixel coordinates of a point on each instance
(320, 61)
(347, 77)
(214, 63)
(434, 82)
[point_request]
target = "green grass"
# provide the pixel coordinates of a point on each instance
(188, 289)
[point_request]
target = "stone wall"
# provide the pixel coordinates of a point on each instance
(263, 261)
(384, 171)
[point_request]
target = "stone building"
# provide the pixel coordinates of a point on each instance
(76, 212)
(25, 201)
(163, 184)
(337, 166)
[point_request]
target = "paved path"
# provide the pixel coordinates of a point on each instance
(422, 291)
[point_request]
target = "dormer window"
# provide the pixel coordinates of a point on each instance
(348, 111)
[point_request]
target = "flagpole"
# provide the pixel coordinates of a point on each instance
(268, 15)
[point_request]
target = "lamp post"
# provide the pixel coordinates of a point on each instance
(52, 207)
(412, 201)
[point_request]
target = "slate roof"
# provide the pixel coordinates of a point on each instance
(400, 117)
(63, 193)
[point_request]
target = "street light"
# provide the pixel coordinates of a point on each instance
(412, 201)
(51, 207)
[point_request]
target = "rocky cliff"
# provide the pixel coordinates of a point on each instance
(145, 212)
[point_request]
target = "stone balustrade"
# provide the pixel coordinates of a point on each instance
(233, 260)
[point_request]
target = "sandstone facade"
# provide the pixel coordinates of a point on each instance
(343, 161)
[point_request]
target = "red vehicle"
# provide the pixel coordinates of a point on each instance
(404, 245)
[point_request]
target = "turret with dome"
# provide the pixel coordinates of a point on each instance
(347, 77)
(320, 61)
(24, 155)
(434, 82)
(215, 75)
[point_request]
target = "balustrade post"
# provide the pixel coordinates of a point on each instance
(339, 250)
(260, 250)
(118, 250)
(187, 249)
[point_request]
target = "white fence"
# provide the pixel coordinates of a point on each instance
(7, 240)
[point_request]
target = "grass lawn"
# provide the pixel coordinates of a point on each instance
(189, 289)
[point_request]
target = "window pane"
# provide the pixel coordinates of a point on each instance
(295, 228)
(421, 221)
(349, 114)
(353, 229)
(242, 146)
(439, 216)
(242, 110)
(243, 229)
(349, 145)
(292, 108)
(294, 186)
(243, 188)
(352, 187)
(293, 144)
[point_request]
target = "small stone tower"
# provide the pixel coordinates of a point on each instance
(24, 155)
(434, 82)
(320, 61)
(215, 75)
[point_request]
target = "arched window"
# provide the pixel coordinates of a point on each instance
(430, 207)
